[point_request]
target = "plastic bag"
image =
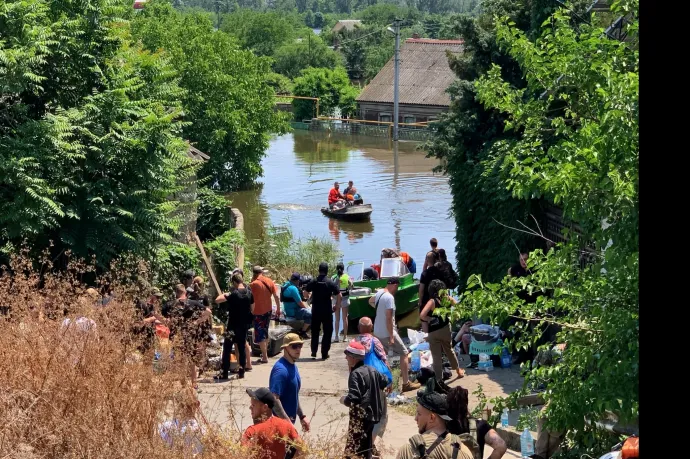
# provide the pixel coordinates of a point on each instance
(416, 337)
(372, 360)
(427, 360)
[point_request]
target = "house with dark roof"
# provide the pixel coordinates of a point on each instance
(424, 77)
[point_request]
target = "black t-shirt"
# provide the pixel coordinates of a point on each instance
(427, 276)
(182, 313)
(322, 289)
(239, 307)
(201, 298)
(483, 428)
(518, 271)
(144, 309)
(442, 321)
(447, 274)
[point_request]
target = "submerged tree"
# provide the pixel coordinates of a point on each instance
(331, 86)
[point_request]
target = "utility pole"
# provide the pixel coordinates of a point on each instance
(396, 101)
(309, 35)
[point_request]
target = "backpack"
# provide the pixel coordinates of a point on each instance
(283, 287)
(468, 439)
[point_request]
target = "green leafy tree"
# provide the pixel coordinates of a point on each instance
(261, 32)
(90, 124)
(574, 142)
(377, 56)
(436, 6)
(284, 5)
(227, 102)
(382, 14)
(331, 86)
(343, 6)
(280, 84)
(213, 214)
(464, 139)
(355, 58)
(319, 20)
(309, 18)
(311, 51)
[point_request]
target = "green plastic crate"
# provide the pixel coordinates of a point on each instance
(478, 347)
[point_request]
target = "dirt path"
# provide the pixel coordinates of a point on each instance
(323, 383)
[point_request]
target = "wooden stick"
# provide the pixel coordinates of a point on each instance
(208, 264)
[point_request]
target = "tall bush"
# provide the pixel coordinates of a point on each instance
(90, 132)
(576, 143)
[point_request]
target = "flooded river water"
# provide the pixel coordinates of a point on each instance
(411, 204)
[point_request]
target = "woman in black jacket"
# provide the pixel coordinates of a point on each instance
(240, 309)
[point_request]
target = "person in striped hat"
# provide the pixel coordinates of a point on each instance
(365, 398)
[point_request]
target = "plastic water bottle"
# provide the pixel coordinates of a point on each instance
(526, 444)
(504, 418)
(416, 361)
(506, 360)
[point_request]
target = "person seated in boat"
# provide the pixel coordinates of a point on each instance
(350, 190)
(370, 273)
(351, 193)
(335, 196)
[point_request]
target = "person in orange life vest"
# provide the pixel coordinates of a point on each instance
(335, 195)
(350, 191)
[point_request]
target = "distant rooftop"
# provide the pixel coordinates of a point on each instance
(424, 74)
(197, 154)
(347, 24)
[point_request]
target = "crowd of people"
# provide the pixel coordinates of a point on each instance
(445, 427)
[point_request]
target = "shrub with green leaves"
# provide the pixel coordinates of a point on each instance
(172, 260)
(223, 252)
(213, 214)
(90, 132)
(331, 86)
(577, 146)
(228, 105)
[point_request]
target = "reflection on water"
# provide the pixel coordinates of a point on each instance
(410, 202)
(352, 230)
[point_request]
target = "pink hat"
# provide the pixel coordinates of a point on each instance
(355, 348)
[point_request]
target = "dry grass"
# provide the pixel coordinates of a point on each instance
(70, 393)
(67, 392)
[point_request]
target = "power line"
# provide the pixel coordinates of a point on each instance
(360, 38)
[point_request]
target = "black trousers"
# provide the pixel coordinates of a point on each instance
(240, 338)
(359, 438)
(321, 319)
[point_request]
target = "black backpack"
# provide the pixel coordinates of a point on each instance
(284, 287)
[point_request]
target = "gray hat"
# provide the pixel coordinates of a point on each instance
(263, 395)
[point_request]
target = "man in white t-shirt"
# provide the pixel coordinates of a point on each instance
(386, 331)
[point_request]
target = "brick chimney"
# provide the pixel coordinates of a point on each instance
(415, 35)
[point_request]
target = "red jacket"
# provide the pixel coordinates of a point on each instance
(333, 196)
